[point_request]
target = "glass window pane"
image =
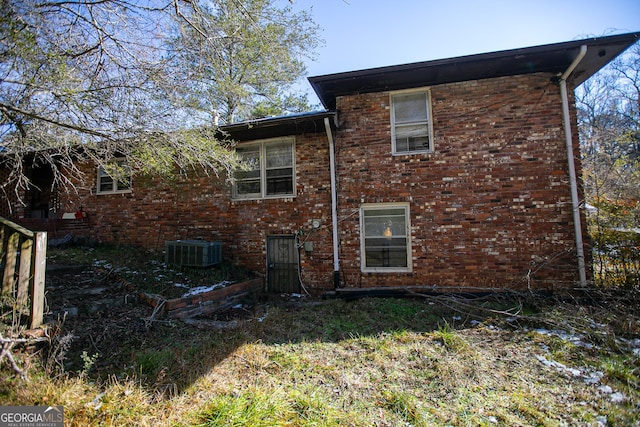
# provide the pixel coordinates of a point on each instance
(124, 184)
(248, 187)
(412, 144)
(385, 212)
(279, 162)
(385, 237)
(410, 107)
(374, 226)
(106, 183)
(251, 157)
(412, 131)
(279, 155)
(277, 177)
(279, 186)
(386, 257)
(411, 122)
(379, 242)
(121, 173)
(124, 177)
(273, 173)
(248, 174)
(280, 181)
(384, 222)
(248, 180)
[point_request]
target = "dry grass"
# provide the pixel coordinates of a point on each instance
(367, 362)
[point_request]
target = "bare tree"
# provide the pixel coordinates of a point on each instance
(609, 124)
(89, 79)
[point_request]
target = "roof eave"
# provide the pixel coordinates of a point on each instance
(272, 127)
(552, 58)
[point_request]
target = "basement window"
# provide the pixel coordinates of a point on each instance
(411, 127)
(114, 178)
(385, 238)
(269, 172)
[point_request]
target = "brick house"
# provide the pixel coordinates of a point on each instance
(461, 173)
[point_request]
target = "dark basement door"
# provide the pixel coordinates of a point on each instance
(282, 264)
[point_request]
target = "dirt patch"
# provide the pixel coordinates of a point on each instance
(101, 313)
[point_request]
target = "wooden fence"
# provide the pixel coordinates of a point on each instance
(23, 257)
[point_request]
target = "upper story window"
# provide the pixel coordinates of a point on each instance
(385, 242)
(411, 128)
(270, 170)
(115, 178)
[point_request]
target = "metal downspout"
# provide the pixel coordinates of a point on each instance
(572, 168)
(334, 204)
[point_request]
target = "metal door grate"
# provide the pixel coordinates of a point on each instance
(282, 264)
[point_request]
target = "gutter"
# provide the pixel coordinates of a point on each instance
(334, 204)
(575, 202)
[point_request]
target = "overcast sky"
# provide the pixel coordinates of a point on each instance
(362, 34)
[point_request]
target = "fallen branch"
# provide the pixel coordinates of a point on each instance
(466, 308)
(7, 345)
(157, 309)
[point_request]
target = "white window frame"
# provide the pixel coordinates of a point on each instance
(369, 234)
(428, 119)
(262, 147)
(102, 174)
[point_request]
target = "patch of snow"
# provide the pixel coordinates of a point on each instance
(96, 403)
(605, 389)
(617, 397)
(633, 345)
(575, 339)
(614, 397)
(181, 285)
(237, 306)
(456, 317)
(588, 376)
(203, 289)
(102, 263)
(559, 366)
(593, 377)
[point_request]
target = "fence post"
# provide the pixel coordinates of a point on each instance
(10, 260)
(3, 255)
(24, 273)
(38, 271)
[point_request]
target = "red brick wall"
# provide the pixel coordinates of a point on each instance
(201, 207)
(490, 207)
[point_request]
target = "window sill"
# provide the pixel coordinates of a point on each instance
(106, 193)
(410, 153)
(244, 199)
(385, 270)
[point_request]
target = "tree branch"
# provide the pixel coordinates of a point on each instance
(54, 122)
